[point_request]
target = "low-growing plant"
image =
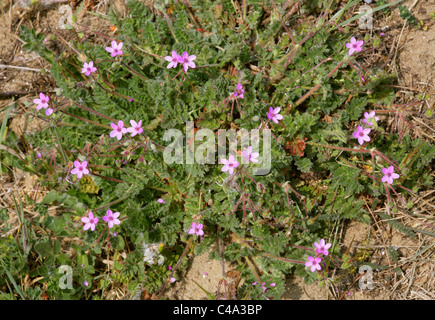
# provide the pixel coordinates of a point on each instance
(123, 153)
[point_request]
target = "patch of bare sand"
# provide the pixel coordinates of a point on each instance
(186, 289)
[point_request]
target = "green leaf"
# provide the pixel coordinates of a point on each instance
(399, 226)
(35, 42)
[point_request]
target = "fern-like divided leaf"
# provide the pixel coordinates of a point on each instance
(397, 225)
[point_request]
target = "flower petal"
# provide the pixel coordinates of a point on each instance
(225, 168)
(356, 134)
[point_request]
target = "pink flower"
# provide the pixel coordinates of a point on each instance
(80, 169)
(314, 263)
(229, 164)
(239, 91)
(161, 201)
(115, 49)
(49, 111)
(111, 218)
(322, 247)
(389, 175)
(249, 155)
(187, 61)
(263, 286)
(173, 279)
(370, 116)
(90, 221)
(362, 135)
(173, 61)
(88, 68)
(354, 45)
(135, 128)
(86, 283)
(118, 130)
(196, 229)
(274, 114)
(273, 284)
(42, 102)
